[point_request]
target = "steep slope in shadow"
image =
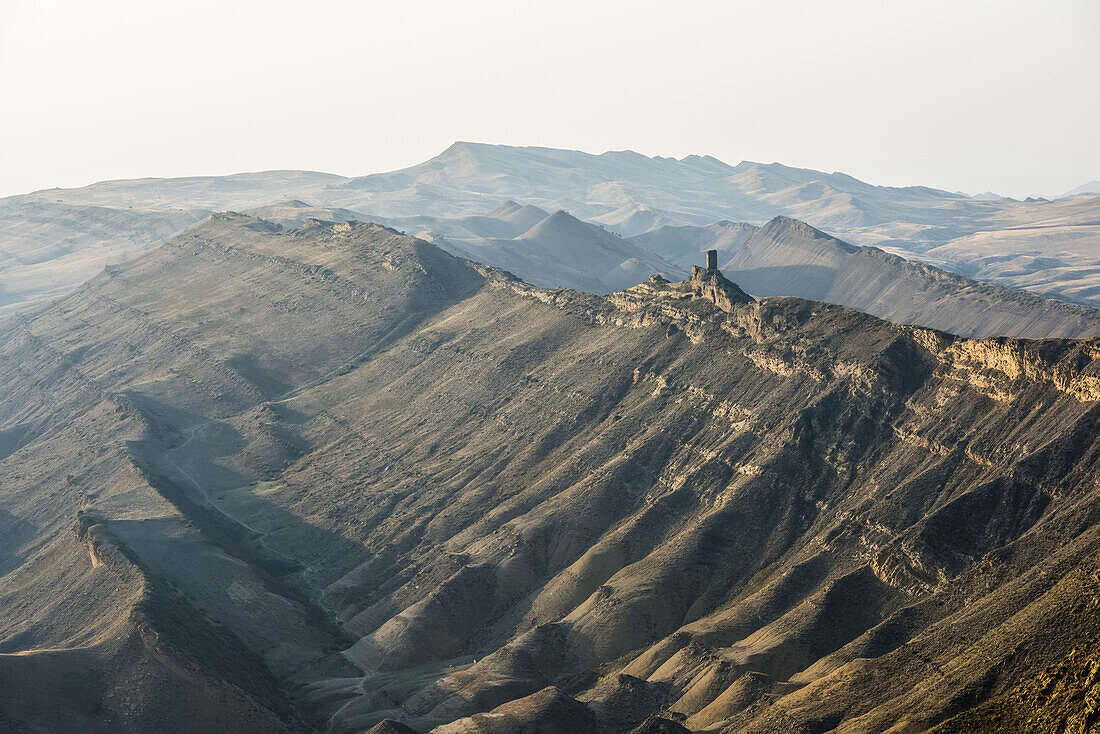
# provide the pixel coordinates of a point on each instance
(789, 258)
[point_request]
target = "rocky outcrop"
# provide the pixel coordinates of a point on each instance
(716, 288)
(1064, 698)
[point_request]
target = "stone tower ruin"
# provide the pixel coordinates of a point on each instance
(712, 259)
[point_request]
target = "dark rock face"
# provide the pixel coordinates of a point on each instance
(317, 478)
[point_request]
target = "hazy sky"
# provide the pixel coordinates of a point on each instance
(959, 94)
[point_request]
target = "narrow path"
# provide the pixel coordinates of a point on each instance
(205, 495)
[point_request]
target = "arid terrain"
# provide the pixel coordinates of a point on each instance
(330, 477)
(480, 200)
(436, 367)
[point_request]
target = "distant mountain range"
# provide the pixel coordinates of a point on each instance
(1091, 188)
(560, 250)
(785, 257)
(656, 204)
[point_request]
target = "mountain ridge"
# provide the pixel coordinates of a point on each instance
(1045, 247)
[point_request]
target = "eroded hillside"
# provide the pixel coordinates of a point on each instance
(318, 478)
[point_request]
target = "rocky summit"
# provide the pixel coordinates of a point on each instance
(332, 478)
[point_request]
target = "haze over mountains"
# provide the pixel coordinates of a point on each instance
(1048, 248)
(47, 249)
(785, 258)
(268, 479)
(476, 447)
(562, 250)
(1090, 188)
